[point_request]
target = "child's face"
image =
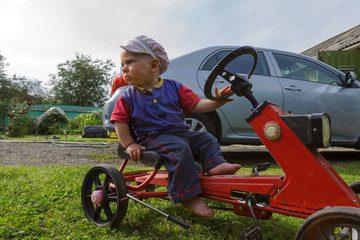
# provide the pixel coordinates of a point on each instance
(136, 68)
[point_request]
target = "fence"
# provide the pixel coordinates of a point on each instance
(70, 111)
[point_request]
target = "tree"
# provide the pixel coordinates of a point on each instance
(4, 84)
(24, 88)
(4, 81)
(17, 87)
(82, 81)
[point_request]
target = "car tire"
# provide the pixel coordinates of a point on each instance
(357, 145)
(200, 122)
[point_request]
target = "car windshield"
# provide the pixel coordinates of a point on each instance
(241, 64)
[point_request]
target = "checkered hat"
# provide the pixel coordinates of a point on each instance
(143, 44)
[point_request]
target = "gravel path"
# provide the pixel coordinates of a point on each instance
(45, 153)
(25, 153)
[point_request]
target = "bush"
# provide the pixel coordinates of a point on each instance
(77, 124)
(20, 122)
(54, 123)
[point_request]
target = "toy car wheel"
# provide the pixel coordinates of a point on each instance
(356, 187)
(331, 223)
(103, 196)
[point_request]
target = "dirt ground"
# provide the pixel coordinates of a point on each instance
(79, 153)
(46, 153)
(13, 153)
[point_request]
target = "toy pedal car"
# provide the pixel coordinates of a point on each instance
(309, 189)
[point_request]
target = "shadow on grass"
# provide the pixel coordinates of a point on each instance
(141, 221)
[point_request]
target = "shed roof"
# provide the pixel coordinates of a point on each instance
(345, 41)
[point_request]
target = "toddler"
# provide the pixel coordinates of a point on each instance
(149, 116)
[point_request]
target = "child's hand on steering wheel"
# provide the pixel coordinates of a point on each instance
(226, 91)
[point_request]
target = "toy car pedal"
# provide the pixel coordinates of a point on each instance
(252, 233)
(168, 216)
(260, 167)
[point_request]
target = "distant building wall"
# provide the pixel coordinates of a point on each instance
(347, 60)
(70, 111)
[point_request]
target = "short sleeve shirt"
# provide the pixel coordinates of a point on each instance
(158, 111)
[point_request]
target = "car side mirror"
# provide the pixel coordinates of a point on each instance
(350, 78)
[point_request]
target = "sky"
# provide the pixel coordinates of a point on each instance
(37, 35)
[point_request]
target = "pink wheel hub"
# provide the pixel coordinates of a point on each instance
(97, 197)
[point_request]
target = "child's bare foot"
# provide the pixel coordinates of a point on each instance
(224, 169)
(198, 206)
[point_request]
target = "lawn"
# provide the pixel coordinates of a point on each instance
(44, 202)
(75, 138)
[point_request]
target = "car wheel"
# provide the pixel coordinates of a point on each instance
(357, 145)
(200, 122)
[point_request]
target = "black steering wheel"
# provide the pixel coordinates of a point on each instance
(240, 84)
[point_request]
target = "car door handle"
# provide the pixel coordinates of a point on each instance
(292, 88)
(219, 79)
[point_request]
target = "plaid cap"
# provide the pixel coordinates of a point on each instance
(143, 44)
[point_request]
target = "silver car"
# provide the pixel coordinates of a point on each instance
(298, 84)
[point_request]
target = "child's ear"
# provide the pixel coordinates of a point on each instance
(154, 65)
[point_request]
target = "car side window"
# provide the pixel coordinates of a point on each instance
(302, 69)
(241, 64)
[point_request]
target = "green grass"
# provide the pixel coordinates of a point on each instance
(44, 202)
(61, 137)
